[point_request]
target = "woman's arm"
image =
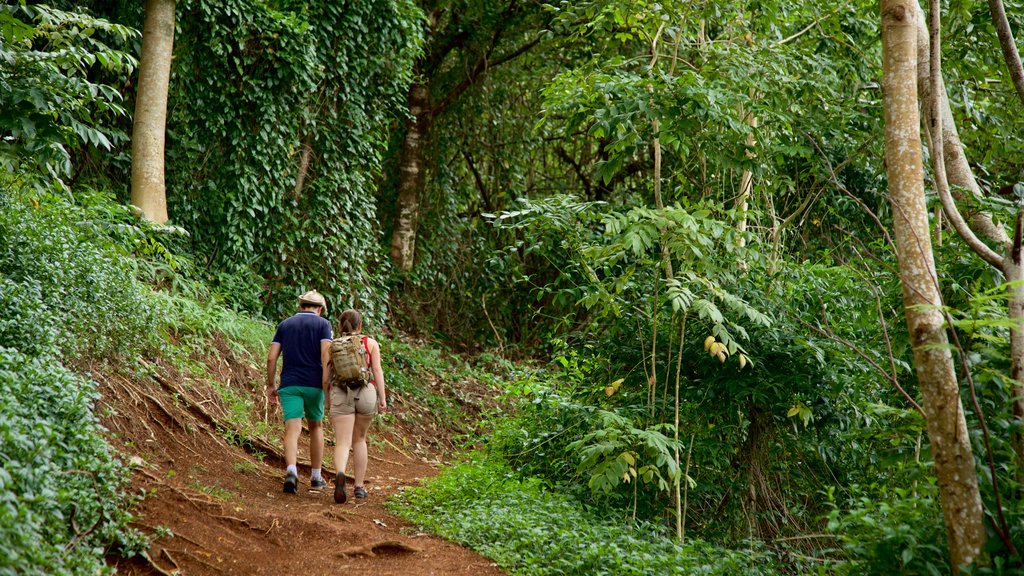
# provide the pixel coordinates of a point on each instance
(378, 374)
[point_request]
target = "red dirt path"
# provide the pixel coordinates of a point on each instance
(225, 505)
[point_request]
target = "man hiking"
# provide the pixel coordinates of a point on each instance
(305, 341)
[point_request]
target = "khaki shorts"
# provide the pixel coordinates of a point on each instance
(359, 401)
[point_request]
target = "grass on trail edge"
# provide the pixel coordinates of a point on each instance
(529, 529)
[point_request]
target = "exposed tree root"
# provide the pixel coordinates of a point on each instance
(152, 564)
(385, 547)
(195, 501)
(198, 559)
(252, 444)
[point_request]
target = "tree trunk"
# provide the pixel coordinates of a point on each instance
(148, 188)
(411, 178)
(746, 182)
(947, 428)
(1014, 271)
(958, 170)
(763, 503)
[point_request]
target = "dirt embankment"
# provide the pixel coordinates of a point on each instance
(219, 494)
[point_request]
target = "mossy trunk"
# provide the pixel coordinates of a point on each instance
(763, 503)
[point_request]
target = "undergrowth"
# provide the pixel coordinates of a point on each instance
(77, 289)
(528, 528)
(66, 295)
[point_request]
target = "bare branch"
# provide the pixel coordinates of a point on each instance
(935, 126)
(1006, 41)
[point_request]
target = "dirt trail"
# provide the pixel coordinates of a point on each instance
(225, 505)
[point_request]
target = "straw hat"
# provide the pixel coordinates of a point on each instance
(313, 298)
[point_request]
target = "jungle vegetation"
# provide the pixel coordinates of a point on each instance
(752, 269)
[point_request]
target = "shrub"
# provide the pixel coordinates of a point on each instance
(66, 292)
(895, 536)
(62, 501)
(66, 284)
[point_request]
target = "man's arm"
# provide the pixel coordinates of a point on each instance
(325, 363)
(272, 354)
(325, 378)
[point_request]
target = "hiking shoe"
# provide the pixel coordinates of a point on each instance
(317, 484)
(291, 483)
(360, 492)
(339, 488)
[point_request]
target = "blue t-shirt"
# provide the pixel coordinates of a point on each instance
(300, 337)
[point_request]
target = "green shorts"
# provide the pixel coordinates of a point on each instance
(302, 402)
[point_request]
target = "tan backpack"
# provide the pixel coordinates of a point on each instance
(350, 361)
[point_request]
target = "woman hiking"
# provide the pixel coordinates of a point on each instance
(354, 404)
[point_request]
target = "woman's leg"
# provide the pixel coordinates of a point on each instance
(359, 451)
(342, 439)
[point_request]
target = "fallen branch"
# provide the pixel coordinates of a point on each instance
(379, 459)
(400, 451)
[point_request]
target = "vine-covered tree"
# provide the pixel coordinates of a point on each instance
(464, 41)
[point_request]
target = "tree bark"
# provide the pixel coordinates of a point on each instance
(411, 178)
(1009, 46)
(746, 181)
(148, 188)
(958, 170)
(933, 364)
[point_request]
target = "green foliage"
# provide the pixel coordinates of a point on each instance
(62, 491)
(618, 452)
(50, 100)
(432, 377)
(260, 88)
(66, 293)
(67, 287)
(898, 535)
(529, 529)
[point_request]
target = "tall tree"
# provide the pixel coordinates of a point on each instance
(951, 168)
(933, 363)
(148, 187)
(463, 43)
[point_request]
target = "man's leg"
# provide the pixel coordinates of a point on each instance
(316, 444)
(292, 430)
(314, 412)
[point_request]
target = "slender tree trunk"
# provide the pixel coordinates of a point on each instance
(951, 168)
(947, 428)
(1014, 271)
(1009, 46)
(958, 170)
(746, 181)
(412, 177)
(148, 188)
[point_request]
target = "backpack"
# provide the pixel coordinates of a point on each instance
(349, 361)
